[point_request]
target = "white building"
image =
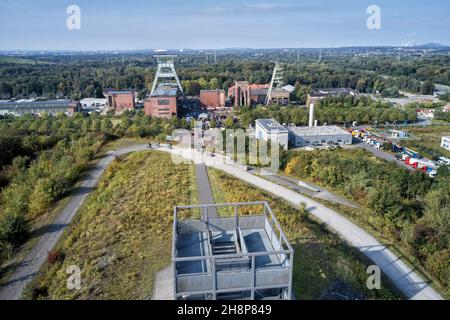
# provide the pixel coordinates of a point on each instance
(445, 142)
(318, 135)
(270, 129)
(93, 103)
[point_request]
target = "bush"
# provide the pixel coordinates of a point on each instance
(13, 228)
(55, 256)
(438, 265)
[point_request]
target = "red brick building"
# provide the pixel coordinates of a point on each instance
(240, 93)
(244, 94)
(121, 100)
(163, 103)
(212, 99)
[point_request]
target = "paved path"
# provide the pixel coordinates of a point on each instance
(404, 278)
(204, 188)
(28, 268)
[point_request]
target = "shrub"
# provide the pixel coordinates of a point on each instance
(13, 228)
(55, 257)
(438, 265)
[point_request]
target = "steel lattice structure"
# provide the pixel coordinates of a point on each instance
(276, 82)
(166, 71)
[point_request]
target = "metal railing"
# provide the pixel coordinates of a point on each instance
(210, 259)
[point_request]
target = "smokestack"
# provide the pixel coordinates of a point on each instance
(311, 114)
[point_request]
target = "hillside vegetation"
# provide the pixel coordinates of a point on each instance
(324, 265)
(407, 209)
(122, 235)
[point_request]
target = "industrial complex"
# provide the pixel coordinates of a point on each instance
(301, 136)
(35, 106)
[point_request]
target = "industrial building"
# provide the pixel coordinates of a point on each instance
(234, 256)
(240, 94)
(319, 94)
(318, 135)
(303, 136)
(38, 107)
(445, 142)
(244, 94)
(121, 100)
(212, 99)
(162, 102)
(270, 129)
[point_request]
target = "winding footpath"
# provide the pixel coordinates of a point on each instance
(405, 279)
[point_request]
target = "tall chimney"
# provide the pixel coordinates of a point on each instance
(311, 114)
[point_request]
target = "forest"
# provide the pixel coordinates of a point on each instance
(79, 76)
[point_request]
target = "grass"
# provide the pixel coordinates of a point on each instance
(427, 140)
(121, 237)
(321, 258)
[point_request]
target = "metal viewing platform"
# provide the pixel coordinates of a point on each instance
(242, 254)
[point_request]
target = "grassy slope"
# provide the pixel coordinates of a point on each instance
(321, 258)
(121, 237)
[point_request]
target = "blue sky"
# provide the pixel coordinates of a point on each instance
(145, 24)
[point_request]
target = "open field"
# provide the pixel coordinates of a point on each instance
(324, 267)
(122, 235)
(427, 140)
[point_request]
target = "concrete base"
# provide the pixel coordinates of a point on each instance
(164, 285)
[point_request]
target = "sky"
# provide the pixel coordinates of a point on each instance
(218, 24)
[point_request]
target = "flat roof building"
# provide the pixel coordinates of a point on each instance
(162, 102)
(318, 135)
(33, 106)
(230, 257)
(319, 94)
(270, 129)
(121, 100)
(445, 142)
(212, 99)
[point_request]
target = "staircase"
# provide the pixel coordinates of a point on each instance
(223, 247)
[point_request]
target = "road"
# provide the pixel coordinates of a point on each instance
(28, 268)
(402, 276)
(381, 154)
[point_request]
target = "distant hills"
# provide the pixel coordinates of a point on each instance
(431, 45)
